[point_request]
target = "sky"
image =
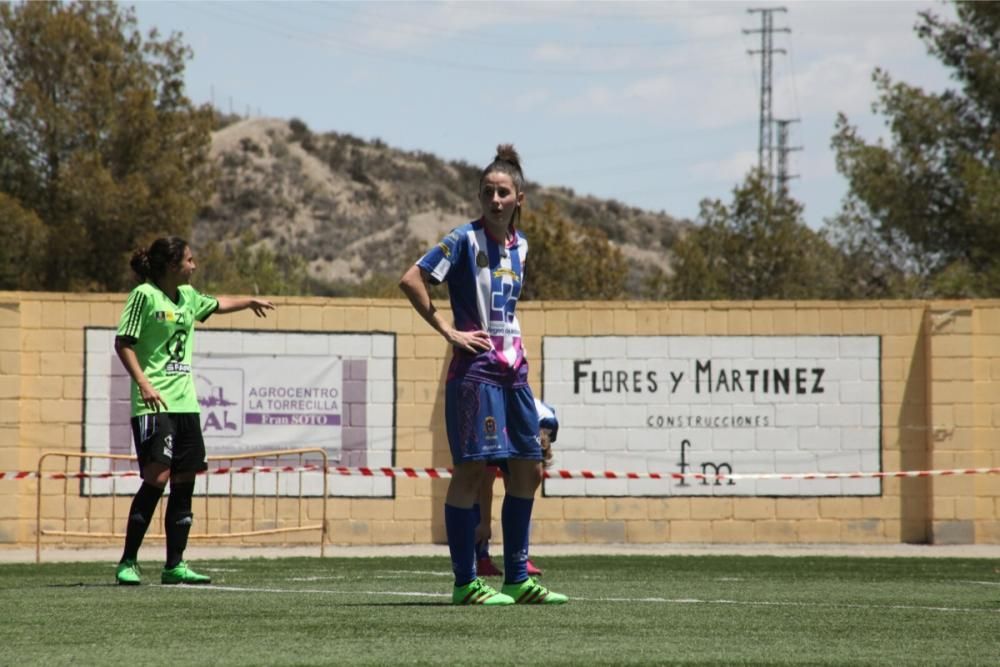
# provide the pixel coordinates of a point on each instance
(653, 104)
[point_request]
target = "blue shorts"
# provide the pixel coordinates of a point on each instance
(487, 422)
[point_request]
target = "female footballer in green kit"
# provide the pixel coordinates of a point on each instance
(154, 342)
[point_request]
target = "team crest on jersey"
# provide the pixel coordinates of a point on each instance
(490, 428)
(482, 261)
(165, 316)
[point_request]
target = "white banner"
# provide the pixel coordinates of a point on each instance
(263, 391)
(715, 404)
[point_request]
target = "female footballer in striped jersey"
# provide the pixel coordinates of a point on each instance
(489, 407)
(154, 342)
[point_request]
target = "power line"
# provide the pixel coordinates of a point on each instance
(671, 162)
(391, 23)
(238, 14)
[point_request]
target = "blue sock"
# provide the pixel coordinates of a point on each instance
(516, 519)
(460, 524)
(482, 548)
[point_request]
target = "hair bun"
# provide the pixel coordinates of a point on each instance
(507, 153)
(140, 263)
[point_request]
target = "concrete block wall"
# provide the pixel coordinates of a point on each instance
(939, 402)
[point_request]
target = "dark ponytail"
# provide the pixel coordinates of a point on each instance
(153, 262)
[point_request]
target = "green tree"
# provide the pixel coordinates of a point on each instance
(241, 269)
(567, 261)
(928, 201)
(97, 138)
(22, 253)
(756, 248)
(872, 266)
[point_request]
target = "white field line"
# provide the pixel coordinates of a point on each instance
(647, 600)
(249, 589)
(981, 583)
(377, 574)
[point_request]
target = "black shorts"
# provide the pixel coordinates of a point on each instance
(171, 438)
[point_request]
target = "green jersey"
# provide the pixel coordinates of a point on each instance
(162, 335)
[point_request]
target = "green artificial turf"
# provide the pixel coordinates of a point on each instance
(623, 610)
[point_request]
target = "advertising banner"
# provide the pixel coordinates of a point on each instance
(263, 391)
(715, 404)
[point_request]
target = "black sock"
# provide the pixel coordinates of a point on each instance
(140, 514)
(177, 522)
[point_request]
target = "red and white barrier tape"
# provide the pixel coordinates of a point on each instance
(445, 473)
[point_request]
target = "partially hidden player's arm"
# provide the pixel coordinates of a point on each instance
(545, 435)
(125, 352)
(415, 285)
(230, 304)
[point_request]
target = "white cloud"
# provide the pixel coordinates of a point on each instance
(656, 91)
(551, 52)
(837, 83)
(601, 59)
(599, 99)
(717, 20)
(688, 100)
(871, 30)
(700, 74)
(597, 77)
(399, 26)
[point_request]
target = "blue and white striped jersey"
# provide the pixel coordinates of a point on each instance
(484, 279)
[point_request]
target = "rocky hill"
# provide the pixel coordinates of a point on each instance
(355, 210)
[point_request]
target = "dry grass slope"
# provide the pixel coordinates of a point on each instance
(357, 210)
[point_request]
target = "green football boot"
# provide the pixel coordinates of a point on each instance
(128, 573)
(182, 574)
(478, 591)
(530, 591)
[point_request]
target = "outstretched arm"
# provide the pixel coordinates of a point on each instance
(229, 304)
(414, 284)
